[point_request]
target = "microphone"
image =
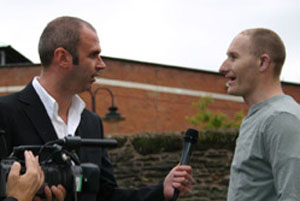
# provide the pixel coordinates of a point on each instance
(76, 141)
(190, 138)
(90, 142)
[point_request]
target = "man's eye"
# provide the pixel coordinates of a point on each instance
(95, 55)
(232, 57)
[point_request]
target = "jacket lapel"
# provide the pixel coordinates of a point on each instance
(37, 113)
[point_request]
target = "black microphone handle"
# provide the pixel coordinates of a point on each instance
(187, 151)
(190, 138)
(184, 161)
(175, 195)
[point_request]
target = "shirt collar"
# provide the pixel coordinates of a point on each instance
(50, 103)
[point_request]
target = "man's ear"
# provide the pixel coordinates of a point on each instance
(62, 57)
(264, 62)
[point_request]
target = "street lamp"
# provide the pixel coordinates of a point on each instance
(112, 115)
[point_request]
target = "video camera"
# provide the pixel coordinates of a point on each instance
(60, 164)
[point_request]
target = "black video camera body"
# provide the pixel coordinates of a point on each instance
(60, 165)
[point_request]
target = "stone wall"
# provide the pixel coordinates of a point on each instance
(145, 159)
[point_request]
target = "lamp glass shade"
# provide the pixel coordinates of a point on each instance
(113, 115)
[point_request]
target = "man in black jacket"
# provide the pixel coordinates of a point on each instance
(49, 108)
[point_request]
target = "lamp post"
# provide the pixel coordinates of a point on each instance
(112, 115)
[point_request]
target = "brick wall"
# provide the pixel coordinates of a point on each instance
(152, 97)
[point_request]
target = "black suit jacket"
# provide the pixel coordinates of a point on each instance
(24, 119)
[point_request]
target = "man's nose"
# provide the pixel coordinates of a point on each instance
(224, 67)
(100, 63)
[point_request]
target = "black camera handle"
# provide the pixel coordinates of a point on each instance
(3, 146)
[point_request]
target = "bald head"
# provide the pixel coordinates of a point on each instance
(265, 41)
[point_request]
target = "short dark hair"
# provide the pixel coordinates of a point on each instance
(266, 41)
(61, 32)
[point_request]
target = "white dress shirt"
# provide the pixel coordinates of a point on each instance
(74, 114)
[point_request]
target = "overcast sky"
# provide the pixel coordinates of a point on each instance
(187, 33)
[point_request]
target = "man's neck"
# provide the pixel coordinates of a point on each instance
(62, 97)
(263, 93)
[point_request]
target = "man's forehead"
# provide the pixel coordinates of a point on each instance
(240, 42)
(88, 37)
(86, 30)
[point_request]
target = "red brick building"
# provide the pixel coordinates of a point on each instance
(151, 97)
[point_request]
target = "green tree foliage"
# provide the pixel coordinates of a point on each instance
(207, 120)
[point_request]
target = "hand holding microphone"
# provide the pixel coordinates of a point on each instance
(180, 178)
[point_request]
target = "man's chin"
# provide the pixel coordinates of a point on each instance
(232, 92)
(88, 88)
(85, 89)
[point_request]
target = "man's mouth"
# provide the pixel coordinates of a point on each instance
(94, 76)
(230, 81)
